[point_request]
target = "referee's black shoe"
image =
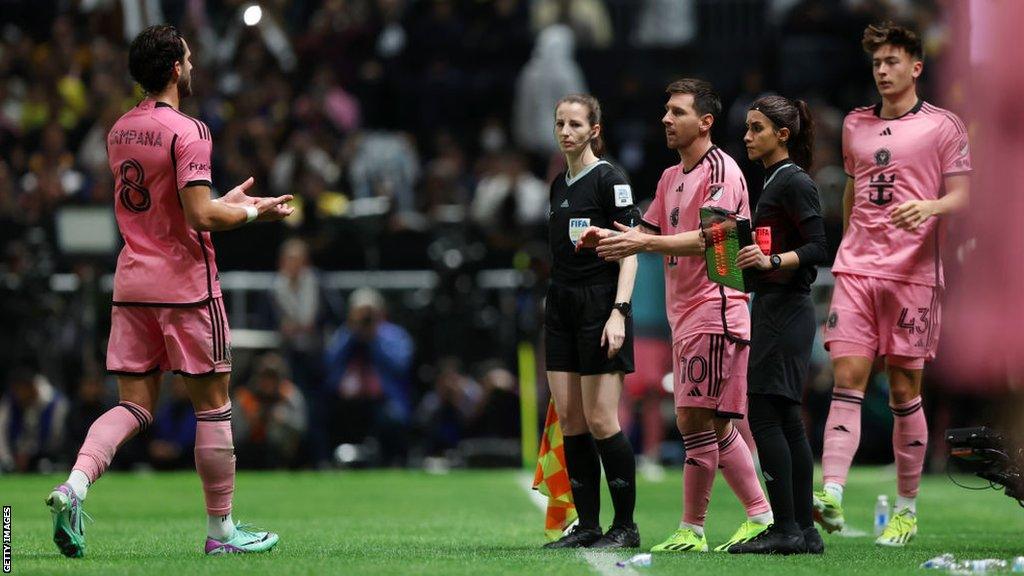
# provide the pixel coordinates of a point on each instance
(619, 536)
(578, 537)
(774, 540)
(815, 545)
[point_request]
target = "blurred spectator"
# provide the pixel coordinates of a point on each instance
(173, 433)
(384, 164)
(497, 415)
(509, 198)
(32, 417)
(588, 20)
(90, 402)
(666, 23)
(270, 417)
(549, 75)
(445, 413)
(368, 366)
(297, 306)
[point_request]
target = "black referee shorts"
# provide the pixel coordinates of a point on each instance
(574, 318)
(781, 338)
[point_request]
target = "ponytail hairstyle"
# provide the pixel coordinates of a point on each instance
(796, 116)
(593, 116)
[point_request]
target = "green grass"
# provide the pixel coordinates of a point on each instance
(479, 523)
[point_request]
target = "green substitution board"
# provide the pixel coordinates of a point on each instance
(725, 234)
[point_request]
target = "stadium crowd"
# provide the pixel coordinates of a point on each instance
(405, 129)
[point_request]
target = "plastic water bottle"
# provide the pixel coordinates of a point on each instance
(943, 562)
(979, 566)
(1018, 564)
(881, 513)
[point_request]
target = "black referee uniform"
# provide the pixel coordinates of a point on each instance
(583, 286)
(579, 302)
(782, 335)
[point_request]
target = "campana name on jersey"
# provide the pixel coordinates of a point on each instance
(135, 137)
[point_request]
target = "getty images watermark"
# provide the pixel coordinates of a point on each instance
(7, 539)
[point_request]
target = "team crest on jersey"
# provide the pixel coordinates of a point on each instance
(882, 157)
(674, 217)
(833, 319)
(716, 192)
(576, 228)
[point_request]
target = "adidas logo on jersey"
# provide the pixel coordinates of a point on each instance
(565, 203)
(693, 462)
(841, 428)
(695, 392)
(886, 132)
(916, 443)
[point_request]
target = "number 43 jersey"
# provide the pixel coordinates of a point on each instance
(155, 151)
(893, 161)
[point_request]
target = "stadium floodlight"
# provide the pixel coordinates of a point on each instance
(252, 15)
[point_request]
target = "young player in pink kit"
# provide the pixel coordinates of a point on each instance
(710, 323)
(907, 163)
(168, 313)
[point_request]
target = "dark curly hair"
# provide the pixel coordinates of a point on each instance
(152, 56)
(878, 35)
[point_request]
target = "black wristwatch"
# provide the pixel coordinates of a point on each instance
(624, 307)
(776, 261)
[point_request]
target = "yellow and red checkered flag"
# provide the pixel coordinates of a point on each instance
(552, 479)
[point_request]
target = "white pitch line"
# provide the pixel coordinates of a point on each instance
(602, 562)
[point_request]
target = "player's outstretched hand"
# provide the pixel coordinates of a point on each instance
(619, 245)
(752, 257)
(910, 214)
(591, 236)
(273, 209)
(237, 196)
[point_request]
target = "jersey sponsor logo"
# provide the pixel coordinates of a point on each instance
(882, 187)
(132, 194)
(623, 195)
(833, 319)
(576, 228)
(882, 157)
(673, 218)
(716, 192)
(199, 166)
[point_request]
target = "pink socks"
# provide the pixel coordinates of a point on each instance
(842, 434)
(107, 434)
(698, 474)
(738, 468)
(909, 443)
(215, 458)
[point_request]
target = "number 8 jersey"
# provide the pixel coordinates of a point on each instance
(891, 162)
(155, 151)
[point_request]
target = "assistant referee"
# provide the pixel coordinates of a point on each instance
(588, 330)
(790, 231)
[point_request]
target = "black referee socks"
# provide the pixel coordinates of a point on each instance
(620, 471)
(584, 467)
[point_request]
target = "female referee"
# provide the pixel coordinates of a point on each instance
(789, 228)
(587, 328)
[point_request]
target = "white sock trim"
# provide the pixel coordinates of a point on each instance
(79, 483)
(220, 528)
(698, 530)
(835, 490)
(904, 502)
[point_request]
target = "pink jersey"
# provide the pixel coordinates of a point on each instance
(154, 152)
(694, 303)
(893, 161)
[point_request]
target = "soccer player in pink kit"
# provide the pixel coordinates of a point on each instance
(908, 164)
(710, 323)
(168, 313)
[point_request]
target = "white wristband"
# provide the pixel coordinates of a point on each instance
(251, 213)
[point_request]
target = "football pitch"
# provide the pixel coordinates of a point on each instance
(465, 522)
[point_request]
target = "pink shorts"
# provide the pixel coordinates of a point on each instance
(877, 317)
(710, 371)
(193, 341)
(653, 359)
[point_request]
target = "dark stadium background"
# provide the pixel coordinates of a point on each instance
(394, 123)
